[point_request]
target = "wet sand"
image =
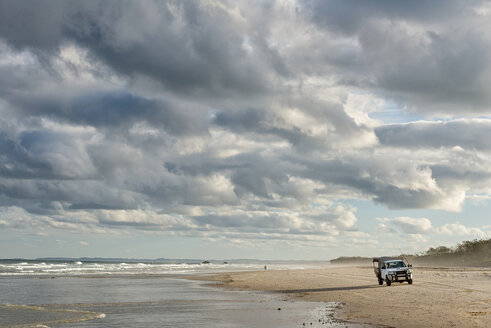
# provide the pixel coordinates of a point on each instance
(439, 297)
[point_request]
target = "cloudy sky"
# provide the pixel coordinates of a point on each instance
(286, 129)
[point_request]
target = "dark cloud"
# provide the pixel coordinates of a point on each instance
(467, 134)
(349, 17)
(397, 185)
(38, 24)
(254, 121)
(243, 121)
(114, 109)
(17, 163)
(187, 46)
(66, 192)
(430, 55)
(338, 128)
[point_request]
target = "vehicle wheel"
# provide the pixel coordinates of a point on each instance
(380, 281)
(387, 280)
(410, 281)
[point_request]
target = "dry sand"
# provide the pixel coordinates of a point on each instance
(439, 297)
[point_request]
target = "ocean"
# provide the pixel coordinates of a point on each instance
(99, 294)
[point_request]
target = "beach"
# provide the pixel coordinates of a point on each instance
(117, 294)
(439, 296)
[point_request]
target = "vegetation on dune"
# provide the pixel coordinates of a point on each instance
(349, 259)
(475, 246)
(475, 252)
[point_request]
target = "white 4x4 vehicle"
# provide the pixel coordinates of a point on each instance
(392, 270)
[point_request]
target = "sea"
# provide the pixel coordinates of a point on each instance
(42, 294)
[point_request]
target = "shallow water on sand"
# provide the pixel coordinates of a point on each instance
(146, 301)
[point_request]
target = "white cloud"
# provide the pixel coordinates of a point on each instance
(408, 225)
(458, 229)
(423, 226)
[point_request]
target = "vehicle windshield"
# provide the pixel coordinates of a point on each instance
(396, 264)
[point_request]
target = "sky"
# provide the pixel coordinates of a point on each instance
(306, 129)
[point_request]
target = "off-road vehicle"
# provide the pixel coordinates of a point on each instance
(391, 270)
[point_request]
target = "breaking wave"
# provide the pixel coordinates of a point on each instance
(88, 268)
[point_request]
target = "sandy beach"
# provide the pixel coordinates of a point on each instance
(439, 297)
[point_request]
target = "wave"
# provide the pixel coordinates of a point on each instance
(105, 268)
